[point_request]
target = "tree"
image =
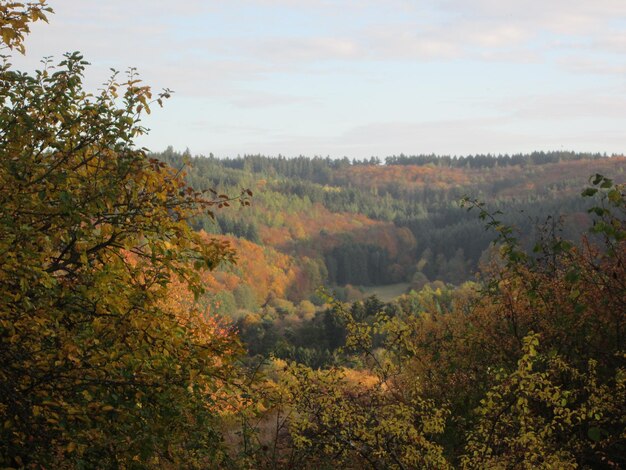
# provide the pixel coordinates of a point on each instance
(98, 368)
(534, 418)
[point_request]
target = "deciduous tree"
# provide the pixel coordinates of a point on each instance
(97, 368)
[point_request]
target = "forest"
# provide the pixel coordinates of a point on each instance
(363, 223)
(166, 310)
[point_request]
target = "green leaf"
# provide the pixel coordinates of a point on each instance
(595, 434)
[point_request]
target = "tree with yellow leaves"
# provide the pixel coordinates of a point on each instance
(97, 369)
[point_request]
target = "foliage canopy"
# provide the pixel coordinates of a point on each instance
(98, 367)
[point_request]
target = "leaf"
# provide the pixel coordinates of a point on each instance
(595, 434)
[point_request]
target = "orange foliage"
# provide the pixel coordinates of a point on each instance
(264, 269)
(372, 177)
(520, 179)
(319, 230)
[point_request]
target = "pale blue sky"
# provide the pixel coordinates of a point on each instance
(361, 78)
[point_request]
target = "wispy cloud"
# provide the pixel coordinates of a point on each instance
(523, 71)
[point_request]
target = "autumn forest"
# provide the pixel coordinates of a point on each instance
(161, 309)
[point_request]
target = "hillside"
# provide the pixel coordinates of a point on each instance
(318, 221)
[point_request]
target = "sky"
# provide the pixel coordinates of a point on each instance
(359, 78)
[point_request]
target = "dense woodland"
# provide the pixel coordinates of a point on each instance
(364, 223)
(169, 311)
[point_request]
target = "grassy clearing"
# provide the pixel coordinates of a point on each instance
(387, 293)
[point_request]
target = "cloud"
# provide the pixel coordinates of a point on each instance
(455, 137)
(139, 32)
(265, 100)
(610, 42)
(299, 64)
(567, 106)
(559, 16)
(586, 65)
(294, 49)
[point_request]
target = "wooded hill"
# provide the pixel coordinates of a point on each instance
(335, 222)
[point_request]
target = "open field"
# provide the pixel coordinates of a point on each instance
(388, 292)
